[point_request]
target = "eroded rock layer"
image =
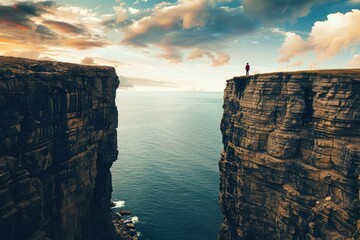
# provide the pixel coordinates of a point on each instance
(57, 143)
(290, 164)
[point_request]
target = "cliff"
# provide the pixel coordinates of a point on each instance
(57, 142)
(290, 164)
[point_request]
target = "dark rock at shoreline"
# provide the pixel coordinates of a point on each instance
(124, 212)
(125, 229)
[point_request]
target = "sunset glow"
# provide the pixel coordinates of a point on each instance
(184, 45)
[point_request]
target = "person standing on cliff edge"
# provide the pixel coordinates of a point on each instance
(247, 68)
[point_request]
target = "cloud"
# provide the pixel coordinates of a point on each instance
(101, 61)
(174, 28)
(187, 24)
(82, 44)
(42, 25)
(355, 61)
(221, 60)
(338, 32)
(204, 24)
(134, 10)
(18, 15)
(32, 54)
(295, 64)
(127, 82)
(64, 27)
(88, 61)
(45, 33)
(109, 62)
(293, 45)
(270, 11)
(172, 55)
(140, 1)
(121, 12)
(196, 53)
(326, 39)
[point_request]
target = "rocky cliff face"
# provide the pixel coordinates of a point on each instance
(57, 142)
(290, 164)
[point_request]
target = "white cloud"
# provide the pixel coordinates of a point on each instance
(216, 61)
(196, 53)
(279, 31)
(355, 61)
(44, 25)
(88, 61)
(293, 45)
(296, 64)
(134, 10)
(327, 38)
(220, 60)
(140, 1)
(338, 32)
(121, 12)
(175, 27)
(186, 24)
(172, 55)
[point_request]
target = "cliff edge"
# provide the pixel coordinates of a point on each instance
(290, 164)
(57, 143)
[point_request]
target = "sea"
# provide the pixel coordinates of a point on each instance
(166, 173)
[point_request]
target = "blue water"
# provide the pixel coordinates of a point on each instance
(167, 171)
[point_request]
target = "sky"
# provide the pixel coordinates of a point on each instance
(184, 45)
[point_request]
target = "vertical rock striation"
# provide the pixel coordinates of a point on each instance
(57, 143)
(290, 164)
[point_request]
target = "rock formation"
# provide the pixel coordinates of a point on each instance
(290, 164)
(57, 142)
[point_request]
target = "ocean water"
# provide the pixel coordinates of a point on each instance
(167, 169)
